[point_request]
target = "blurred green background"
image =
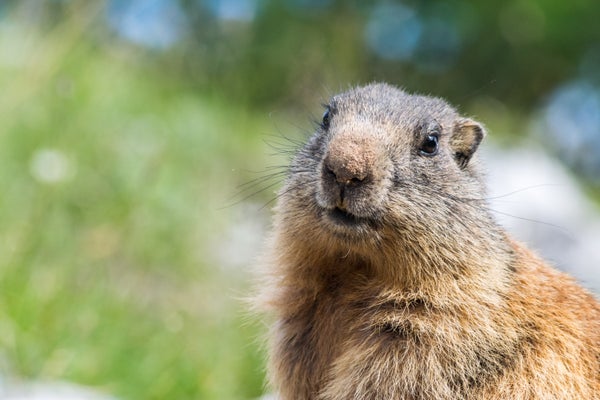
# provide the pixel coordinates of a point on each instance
(132, 133)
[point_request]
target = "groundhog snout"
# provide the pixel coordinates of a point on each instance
(347, 164)
(350, 173)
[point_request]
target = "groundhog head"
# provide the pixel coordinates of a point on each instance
(383, 163)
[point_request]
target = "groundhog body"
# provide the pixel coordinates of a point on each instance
(388, 277)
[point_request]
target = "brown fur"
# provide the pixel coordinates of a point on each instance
(389, 279)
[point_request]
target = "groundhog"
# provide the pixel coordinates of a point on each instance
(388, 277)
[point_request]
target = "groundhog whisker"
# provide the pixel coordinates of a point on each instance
(466, 199)
(283, 151)
(257, 183)
(296, 143)
(456, 199)
(263, 178)
(535, 221)
(279, 195)
(482, 203)
(269, 186)
(521, 190)
(252, 194)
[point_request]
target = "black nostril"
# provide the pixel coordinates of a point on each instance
(328, 171)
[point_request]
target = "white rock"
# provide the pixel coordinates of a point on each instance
(541, 204)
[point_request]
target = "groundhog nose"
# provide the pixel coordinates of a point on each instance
(345, 170)
(347, 163)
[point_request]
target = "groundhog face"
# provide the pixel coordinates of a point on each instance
(384, 159)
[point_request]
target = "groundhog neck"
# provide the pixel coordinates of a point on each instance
(462, 264)
(478, 271)
(444, 255)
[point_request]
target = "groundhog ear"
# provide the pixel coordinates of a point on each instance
(465, 139)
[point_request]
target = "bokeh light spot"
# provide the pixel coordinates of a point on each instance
(393, 31)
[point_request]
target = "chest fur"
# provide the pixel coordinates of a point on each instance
(353, 347)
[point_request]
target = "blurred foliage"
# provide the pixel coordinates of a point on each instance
(119, 153)
(113, 178)
(286, 52)
(292, 50)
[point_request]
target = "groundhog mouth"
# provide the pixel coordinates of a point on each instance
(342, 219)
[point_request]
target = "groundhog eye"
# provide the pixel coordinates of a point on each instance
(326, 118)
(429, 147)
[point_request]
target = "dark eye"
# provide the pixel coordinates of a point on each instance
(326, 118)
(429, 147)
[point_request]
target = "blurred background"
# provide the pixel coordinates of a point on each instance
(138, 143)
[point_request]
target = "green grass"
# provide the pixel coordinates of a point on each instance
(113, 180)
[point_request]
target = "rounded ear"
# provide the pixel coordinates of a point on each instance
(465, 139)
